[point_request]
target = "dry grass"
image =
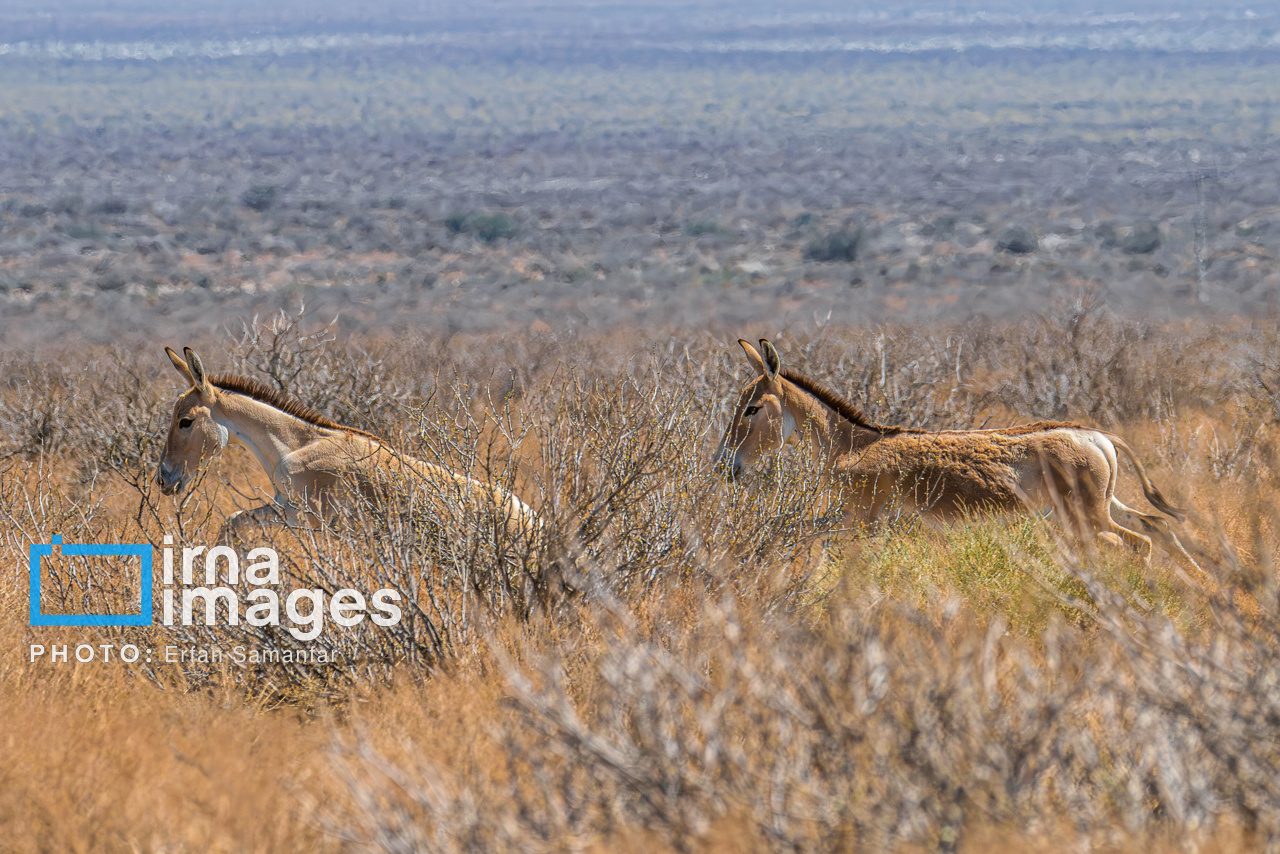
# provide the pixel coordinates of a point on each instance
(679, 664)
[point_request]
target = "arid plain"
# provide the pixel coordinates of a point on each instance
(524, 248)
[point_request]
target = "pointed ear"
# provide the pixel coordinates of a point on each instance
(772, 361)
(179, 365)
(198, 377)
(753, 356)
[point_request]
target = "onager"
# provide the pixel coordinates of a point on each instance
(316, 465)
(948, 475)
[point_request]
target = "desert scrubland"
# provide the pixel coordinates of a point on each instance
(528, 259)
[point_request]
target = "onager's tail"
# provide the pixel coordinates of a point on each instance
(1148, 488)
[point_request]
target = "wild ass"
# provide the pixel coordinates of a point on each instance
(315, 464)
(943, 476)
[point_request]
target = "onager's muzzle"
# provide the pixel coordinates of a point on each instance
(727, 463)
(170, 480)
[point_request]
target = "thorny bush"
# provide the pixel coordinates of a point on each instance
(682, 656)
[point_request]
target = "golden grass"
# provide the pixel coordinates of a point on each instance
(682, 665)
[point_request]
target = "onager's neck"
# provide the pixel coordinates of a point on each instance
(831, 434)
(266, 431)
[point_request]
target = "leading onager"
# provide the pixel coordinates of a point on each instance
(947, 475)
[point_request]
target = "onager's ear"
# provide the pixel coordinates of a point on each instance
(772, 361)
(179, 365)
(198, 377)
(753, 356)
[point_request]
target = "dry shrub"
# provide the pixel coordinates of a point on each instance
(93, 758)
(671, 661)
(880, 726)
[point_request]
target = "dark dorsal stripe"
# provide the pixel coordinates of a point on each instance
(847, 409)
(842, 405)
(264, 393)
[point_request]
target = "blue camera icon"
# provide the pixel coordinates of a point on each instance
(143, 618)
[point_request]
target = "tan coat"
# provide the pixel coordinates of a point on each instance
(316, 466)
(1067, 469)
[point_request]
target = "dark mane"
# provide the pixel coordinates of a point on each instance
(843, 406)
(847, 409)
(264, 393)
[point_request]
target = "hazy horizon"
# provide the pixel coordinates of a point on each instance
(154, 30)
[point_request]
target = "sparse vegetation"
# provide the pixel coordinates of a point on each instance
(932, 156)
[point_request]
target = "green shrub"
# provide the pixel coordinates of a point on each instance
(1144, 239)
(259, 197)
(487, 227)
(839, 245)
(84, 232)
(1141, 239)
(703, 227)
(1018, 239)
(111, 207)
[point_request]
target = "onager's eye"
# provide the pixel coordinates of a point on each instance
(184, 424)
(750, 410)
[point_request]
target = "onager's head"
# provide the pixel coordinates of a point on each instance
(194, 435)
(761, 424)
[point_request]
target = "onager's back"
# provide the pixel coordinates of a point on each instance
(316, 466)
(944, 476)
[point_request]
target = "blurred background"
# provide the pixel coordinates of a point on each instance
(168, 167)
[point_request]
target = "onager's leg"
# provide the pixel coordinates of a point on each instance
(1130, 539)
(1085, 495)
(1080, 504)
(244, 520)
(1097, 519)
(1159, 531)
